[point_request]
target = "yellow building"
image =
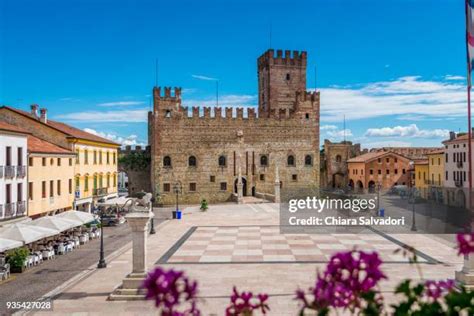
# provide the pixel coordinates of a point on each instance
(50, 178)
(436, 168)
(95, 173)
(421, 173)
(95, 168)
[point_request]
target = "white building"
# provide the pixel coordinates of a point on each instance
(13, 173)
(457, 168)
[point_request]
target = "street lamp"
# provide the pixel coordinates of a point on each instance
(152, 227)
(101, 263)
(177, 189)
(413, 221)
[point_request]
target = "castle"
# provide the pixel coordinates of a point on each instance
(226, 154)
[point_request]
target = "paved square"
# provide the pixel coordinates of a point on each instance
(265, 244)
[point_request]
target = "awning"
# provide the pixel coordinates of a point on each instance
(78, 216)
(6, 244)
(26, 233)
(55, 222)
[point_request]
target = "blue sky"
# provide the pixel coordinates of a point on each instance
(395, 69)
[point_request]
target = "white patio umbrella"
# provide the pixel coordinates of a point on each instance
(78, 216)
(26, 233)
(54, 222)
(6, 244)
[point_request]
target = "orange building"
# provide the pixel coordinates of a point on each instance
(386, 169)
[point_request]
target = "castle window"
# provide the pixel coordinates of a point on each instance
(222, 161)
(291, 160)
(262, 177)
(212, 179)
(166, 187)
(223, 186)
(264, 160)
(288, 77)
(294, 177)
(192, 187)
(167, 161)
(371, 171)
(307, 116)
(168, 113)
(308, 160)
(338, 158)
(192, 161)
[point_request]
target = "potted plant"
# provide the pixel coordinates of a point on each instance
(16, 259)
(204, 205)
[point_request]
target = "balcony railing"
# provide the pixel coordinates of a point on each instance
(1, 171)
(100, 191)
(458, 183)
(9, 210)
(21, 171)
(21, 208)
(9, 172)
(459, 164)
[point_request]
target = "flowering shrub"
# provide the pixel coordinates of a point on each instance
(349, 282)
(245, 303)
(171, 290)
(465, 243)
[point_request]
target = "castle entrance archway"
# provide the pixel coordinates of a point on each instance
(244, 187)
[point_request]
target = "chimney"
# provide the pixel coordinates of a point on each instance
(43, 117)
(452, 135)
(34, 110)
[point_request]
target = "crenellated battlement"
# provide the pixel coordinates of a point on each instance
(157, 95)
(302, 96)
(292, 58)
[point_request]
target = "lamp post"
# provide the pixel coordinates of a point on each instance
(152, 226)
(101, 263)
(177, 189)
(413, 221)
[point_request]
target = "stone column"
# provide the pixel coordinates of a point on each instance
(277, 186)
(130, 289)
(466, 275)
(240, 187)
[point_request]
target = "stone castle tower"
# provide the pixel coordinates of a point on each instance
(209, 152)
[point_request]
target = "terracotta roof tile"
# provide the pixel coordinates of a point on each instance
(373, 155)
(12, 128)
(66, 129)
(36, 145)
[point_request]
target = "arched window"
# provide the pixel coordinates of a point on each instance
(338, 158)
(264, 160)
(308, 160)
(291, 160)
(167, 161)
(222, 161)
(192, 161)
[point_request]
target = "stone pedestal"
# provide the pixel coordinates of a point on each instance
(466, 275)
(131, 285)
(240, 188)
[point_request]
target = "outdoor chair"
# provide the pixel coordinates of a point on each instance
(61, 249)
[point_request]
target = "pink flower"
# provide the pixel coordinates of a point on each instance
(465, 243)
(245, 303)
(435, 289)
(171, 290)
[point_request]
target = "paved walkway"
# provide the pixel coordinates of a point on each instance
(240, 245)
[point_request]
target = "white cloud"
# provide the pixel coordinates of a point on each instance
(452, 77)
(131, 140)
(339, 133)
(137, 116)
(406, 131)
(121, 103)
(201, 77)
(388, 143)
(327, 127)
(403, 96)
